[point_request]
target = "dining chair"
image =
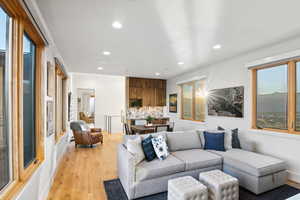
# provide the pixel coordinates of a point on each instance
(140, 122)
(161, 128)
(171, 126)
(127, 129)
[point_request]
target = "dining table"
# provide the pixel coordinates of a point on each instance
(149, 128)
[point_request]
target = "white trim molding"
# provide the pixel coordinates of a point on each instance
(273, 59)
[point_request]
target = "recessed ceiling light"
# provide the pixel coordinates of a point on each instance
(157, 73)
(100, 68)
(180, 63)
(106, 53)
(217, 46)
(117, 25)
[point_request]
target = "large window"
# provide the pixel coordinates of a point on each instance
(276, 105)
(28, 100)
(193, 100)
(5, 33)
(21, 99)
(272, 97)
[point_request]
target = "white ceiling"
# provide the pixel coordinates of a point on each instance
(157, 34)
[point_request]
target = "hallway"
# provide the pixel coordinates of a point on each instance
(81, 173)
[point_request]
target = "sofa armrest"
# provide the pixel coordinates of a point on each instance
(247, 144)
(126, 170)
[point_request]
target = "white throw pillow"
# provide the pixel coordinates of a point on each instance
(134, 146)
(160, 147)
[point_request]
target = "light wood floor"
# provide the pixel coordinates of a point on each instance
(82, 171)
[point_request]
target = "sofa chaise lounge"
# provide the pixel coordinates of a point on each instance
(256, 172)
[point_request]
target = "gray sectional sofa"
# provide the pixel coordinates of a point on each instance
(256, 172)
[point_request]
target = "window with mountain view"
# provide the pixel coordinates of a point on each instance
(272, 97)
(276, 100)
(5, 34)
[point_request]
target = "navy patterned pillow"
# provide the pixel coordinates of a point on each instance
(148, 148)
(235, 139)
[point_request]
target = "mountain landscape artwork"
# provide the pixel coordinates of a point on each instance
(227, 102)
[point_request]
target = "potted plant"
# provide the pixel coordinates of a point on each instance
(149, 120)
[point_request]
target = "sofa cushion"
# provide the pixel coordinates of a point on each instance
(251, 163)
(183, 141)
(197, 159)
(158, 168)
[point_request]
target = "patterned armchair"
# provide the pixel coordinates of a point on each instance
(84, 135)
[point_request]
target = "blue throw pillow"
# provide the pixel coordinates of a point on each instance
(148, 148)
(214, 141)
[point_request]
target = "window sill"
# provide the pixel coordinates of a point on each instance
(276, 133)
(193, 121)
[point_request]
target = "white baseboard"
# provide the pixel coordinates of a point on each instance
(293, 176)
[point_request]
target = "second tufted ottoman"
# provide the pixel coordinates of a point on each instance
(186, 188)
(220, 186)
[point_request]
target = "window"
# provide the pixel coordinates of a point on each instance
(61, 101)
(193, 100)
(187, 101)
(28, 100)
(5, 164)
(272, 97)
(276, 105)
(298, 96)
(21, 99)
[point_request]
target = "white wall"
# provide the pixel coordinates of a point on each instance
(109, 96)
(232, 72)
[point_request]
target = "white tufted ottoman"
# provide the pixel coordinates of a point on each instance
(220, 186)
(186, 188)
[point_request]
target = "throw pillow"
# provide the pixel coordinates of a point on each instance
(228, 137)
(214, 141)
(235, 139)
(160, 147)
(134, 146)
(148, 148)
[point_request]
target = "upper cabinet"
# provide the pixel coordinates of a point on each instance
(145, 92)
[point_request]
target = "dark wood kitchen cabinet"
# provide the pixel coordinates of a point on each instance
(148, 92)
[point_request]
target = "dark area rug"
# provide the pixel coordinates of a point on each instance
(115, 191)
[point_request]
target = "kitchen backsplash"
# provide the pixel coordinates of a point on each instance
(144, 112)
